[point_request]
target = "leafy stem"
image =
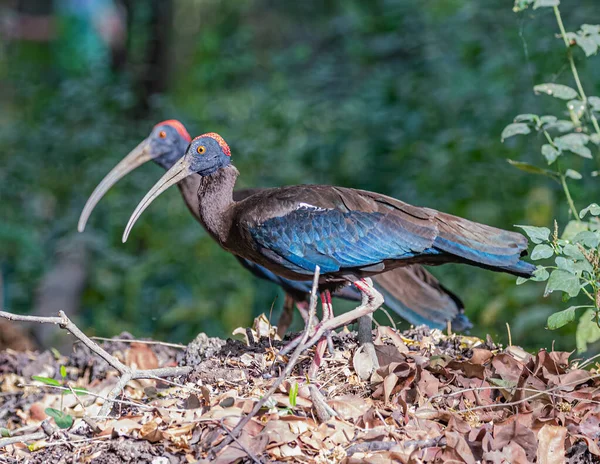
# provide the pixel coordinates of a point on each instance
(582, 94)
(563, 182)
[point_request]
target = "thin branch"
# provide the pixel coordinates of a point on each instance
(288, 368)
(105, 398)
(146, 342)
(47, 430)
(250, 454)
(574, 71)
(126, 372)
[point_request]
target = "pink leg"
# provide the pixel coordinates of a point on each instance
(303, 310)
(323, 342)
(371, 300)
(287, 314)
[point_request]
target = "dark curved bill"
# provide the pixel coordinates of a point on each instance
(138, 156)
(179, 171)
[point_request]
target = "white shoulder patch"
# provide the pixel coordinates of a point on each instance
(311, 207)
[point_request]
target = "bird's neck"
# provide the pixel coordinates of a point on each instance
(215, 198)
(189, 191)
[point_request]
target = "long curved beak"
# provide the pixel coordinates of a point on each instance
(138, 156)
(179, 171)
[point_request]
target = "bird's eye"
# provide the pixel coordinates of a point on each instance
(162, 134)
(201, 149)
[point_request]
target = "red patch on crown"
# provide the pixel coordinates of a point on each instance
(220, 140)
(179, 127)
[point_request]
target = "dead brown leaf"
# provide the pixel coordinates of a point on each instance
(141, 356)
(551, 444)
(512, 430)
(150, 432)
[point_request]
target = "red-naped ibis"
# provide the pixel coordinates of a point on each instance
(350, 234)
(412, 292)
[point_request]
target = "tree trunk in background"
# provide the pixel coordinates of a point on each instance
(155, 74)
(60, 289)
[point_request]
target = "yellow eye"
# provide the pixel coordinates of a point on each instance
(162, 134)
(201, 149)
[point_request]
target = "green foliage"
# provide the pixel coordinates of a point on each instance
(293, 395)
(62, 419)
(47, 380)
(576, 267)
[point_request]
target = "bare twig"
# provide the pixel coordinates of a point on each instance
(288, 368)
(371, 446)
(322, 409)
(105, 398)
(147, 342)
(250, 454)
(127, 373)
(47, 430)
(22, 439)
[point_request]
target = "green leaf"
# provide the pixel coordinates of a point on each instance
(542, 251)
(594, 103)
(550, 153)
(562, 125)
(536, 234)
(587, 44)
(63, 372)
(540, 274)
(293, 396)
(590, 28)
(545, 3)
(532, 169)
(574, 143)
(561, 318)
(63, 420)
(4, 432)
(593, 209)
(556, 90)
(548, 119)
(595, 138)
(563, 281)
(572, 251)
(566, 264)
(46, 380)
(527, 117)
(571, 173)
(588, 239)
(587, 330)
(515, 129)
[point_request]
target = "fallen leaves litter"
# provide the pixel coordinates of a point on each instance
(435, 398)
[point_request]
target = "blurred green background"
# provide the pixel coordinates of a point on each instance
(403, 97)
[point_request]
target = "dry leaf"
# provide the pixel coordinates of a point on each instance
(141, 356)
(551, 444)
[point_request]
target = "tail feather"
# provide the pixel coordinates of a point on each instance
(418, 297)
(482, 245)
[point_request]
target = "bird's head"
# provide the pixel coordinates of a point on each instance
(165, 145)
(167, 142)
(205, 155)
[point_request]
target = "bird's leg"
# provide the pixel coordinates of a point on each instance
(330, 346)
(303, 309)
(287, 314)
(365, 335)
(326, 340)
(372, 300)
